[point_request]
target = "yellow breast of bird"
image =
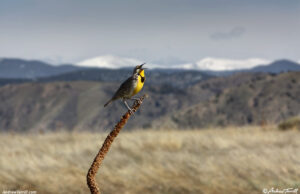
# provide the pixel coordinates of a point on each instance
(140, 83)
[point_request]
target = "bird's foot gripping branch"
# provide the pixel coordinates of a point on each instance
(91, 180)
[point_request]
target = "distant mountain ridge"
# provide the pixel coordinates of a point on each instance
(37, 70)
(277, 66)
(31, 69)
(176, 78)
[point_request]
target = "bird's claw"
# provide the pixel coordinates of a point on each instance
(131, 111)
(138, 101)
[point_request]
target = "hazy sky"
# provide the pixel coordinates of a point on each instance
(162, 31)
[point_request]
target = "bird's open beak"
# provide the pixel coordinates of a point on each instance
(141, 66)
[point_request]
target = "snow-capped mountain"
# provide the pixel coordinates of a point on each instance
(207, 64)
(110, 61)
(221, 64)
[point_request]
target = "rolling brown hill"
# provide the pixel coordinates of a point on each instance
(240, 99)
(245, 99)
(78, 106)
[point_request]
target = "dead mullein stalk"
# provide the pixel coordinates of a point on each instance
(91, 180)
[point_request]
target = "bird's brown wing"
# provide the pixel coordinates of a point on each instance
(125, 89)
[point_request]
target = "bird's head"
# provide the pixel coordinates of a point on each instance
(139, 69)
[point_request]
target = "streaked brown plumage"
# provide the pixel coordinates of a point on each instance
(130, 87)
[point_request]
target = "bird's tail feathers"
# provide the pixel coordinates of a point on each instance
(108, 102)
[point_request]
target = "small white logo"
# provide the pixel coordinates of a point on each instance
(282, 191)
(19, 192)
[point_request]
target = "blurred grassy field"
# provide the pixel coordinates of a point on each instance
(234, 160)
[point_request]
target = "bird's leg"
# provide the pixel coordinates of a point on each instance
(138, 99)
(133, 98)
(130, 110)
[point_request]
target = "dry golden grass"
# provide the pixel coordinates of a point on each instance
(192, 161)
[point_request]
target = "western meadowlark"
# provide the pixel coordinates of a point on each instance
(130, 87)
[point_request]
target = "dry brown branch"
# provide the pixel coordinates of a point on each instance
(91, 180)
